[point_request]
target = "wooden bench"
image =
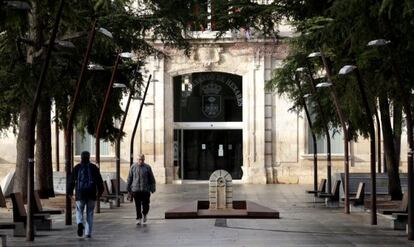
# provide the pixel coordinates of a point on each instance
(381, 182)
(109, 195)
(321, 188)
(2, 199)
(38, 206)
(115, 188)
(402, 209)
(332, 197)
(41, 221)
(106, 198)
(400, 221)
(358, 199)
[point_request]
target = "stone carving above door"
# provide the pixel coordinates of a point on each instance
(207, 55)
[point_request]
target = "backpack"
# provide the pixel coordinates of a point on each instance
(86, 184)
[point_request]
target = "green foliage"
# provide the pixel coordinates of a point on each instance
(23, 34)
(342, 28)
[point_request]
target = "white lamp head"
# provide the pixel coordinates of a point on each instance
(347, 69)
(314, 54)
(378, 42)
(105, 32)
(324, 84)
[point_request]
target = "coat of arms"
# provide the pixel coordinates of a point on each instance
(211, 100)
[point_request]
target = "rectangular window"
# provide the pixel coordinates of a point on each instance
(337, 142)
(87, 143)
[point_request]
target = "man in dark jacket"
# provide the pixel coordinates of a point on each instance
(141, 183)
(89, 187)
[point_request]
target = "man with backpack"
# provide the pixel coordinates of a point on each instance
(89, 187)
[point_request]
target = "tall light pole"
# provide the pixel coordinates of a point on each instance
(32, 124)
(103, 113)
(68, 131)
(315, 145)
(131, 150)
(312, 82)
(118, 148)
(347, 69)
(342, 119)
(406, 100)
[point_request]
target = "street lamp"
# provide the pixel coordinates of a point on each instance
(131, 147)
(345, 70)
(409, 119)
(68, 131)
(103, 112)
(308, 117)
(312, 83)
(342, 119)
(32, 124)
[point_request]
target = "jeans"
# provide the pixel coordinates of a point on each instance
(141, 198)
(90, 206)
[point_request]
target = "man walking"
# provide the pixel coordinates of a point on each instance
(141, 183)
(89, 187)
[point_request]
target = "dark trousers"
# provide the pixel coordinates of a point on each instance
(142, 198)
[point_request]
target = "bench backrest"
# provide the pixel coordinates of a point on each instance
(335, 190)
(381, 182)
(361, 190)
(404, 202)
(2, 199)
(19, 212)
(38, 204)
(322, 185)
(114, 186)
(360, 195)
(106, 190)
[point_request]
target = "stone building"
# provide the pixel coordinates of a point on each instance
(210, 111)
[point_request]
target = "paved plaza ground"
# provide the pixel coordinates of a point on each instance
(302, 223)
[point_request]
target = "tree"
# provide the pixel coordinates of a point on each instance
(342, 29)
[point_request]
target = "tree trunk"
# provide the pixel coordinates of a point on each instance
(394, 184)
(44, 169)
(397, 124)
(20, 177)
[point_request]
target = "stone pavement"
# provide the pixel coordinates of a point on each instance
(302, 223)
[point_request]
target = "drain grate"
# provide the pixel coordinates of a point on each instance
(221, 223)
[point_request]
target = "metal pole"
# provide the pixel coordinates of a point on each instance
(68, 131)
(100, 122)
(326, 129)
(118, 149)
(315, 146)
(345, 130)
(131, 150)
(57, 141)
(379, 165)
(32, 124)
(372, 148)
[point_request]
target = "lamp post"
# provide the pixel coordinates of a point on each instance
(118, 148)
(406, 100)
(342, 119)
(68, 131)
(131, 150)
(315, 146)
(32, 124)
(103, 112)
(344, 71)
(325, 126)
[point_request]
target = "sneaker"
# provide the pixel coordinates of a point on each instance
(80, 229)
(139, 222)
(145, 219)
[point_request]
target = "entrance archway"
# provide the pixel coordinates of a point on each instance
(208, 124)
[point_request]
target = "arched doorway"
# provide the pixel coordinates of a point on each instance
(208, 124)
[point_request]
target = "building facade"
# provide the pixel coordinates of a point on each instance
(211, 111)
